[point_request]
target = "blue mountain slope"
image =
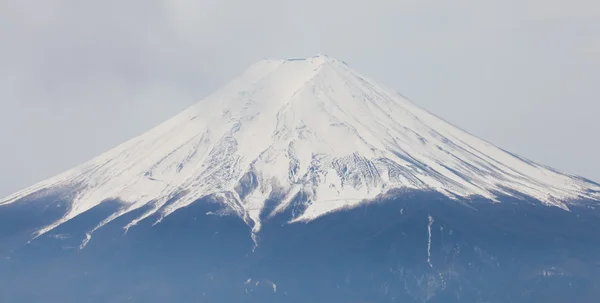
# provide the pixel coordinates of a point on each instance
(514, 251)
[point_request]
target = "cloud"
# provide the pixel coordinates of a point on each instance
(552, 10)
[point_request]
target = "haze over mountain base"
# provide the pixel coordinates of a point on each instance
(416, 247)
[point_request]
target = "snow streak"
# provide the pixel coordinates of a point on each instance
(429, 223)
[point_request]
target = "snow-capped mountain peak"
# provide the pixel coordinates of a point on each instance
(308, 126)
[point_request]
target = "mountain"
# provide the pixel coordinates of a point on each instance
(303, 181)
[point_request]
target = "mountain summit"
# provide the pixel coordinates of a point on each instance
(312, 128)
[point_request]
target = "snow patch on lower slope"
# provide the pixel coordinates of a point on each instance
(314, 127)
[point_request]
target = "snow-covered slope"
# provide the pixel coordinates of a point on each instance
(312, 126)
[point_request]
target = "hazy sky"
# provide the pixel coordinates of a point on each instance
(79, 77)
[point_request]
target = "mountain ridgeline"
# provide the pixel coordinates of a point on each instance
(303, 181)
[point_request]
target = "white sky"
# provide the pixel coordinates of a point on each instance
(79, 77)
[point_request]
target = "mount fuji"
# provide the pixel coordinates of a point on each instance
(303, 181)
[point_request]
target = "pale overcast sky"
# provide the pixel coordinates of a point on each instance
(79, 77)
